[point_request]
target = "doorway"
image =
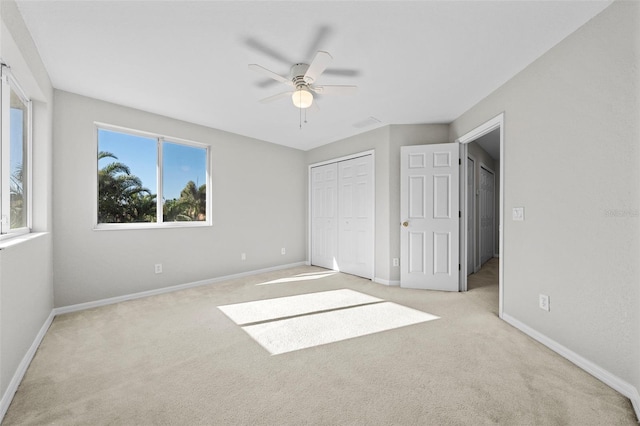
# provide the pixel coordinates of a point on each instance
(483, 243)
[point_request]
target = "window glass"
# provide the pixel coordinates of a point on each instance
(184, 190)
(130, 173)
(19, 143)
(126, 178)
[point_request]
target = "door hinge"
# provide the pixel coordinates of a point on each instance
(460, 161)
(459, 213)
(459, 267)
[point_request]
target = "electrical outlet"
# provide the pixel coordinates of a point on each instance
(158, 268)
(396, 261)
(243, 256)
(283, 251)
(544, 302)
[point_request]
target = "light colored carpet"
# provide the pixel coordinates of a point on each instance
(307, 331)
(177, 359)
(289, 306)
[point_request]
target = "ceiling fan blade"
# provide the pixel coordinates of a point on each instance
(317, 66)
(342, 72)
(319, 40)
(273, 75)
(276, 97)
(260, 47)
(335, 90)
(266, 83)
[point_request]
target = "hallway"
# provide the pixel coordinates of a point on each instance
(484, 285)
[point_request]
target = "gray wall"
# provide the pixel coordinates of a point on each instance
(258, 207)
(377, 140)
(405, 135)
(26, 284)
(386, 141)
(572, 159)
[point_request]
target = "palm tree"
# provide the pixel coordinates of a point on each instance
(192, 204)
(16, 191)
(121, 196)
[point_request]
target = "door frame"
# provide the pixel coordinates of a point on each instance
(474, 210)
(496, 122)
(371, 152)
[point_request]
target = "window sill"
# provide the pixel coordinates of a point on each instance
(139, 226)
(19, 239)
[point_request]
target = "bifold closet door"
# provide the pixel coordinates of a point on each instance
(342, 212)
(355, 216)
(324, 211)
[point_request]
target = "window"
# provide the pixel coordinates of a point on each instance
(134, 167)
(15, 165)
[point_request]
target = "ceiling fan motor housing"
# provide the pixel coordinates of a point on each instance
(297, 75)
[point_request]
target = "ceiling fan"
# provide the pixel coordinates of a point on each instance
(301, 79)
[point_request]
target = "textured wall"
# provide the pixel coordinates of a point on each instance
(572, 159)
(258, 207)
(386, 141)
(26, 284)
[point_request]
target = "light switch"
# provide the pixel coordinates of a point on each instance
(518, 213)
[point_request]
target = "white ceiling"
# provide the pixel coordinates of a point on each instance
(414, 62)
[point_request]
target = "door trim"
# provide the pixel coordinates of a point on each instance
(474, 210)
(371, 152)
(496, 122)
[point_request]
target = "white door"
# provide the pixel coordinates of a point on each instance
(429, 209)
(324, 211)
(471, 216)
(355, 216)
(487, 206)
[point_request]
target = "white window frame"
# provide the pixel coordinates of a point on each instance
(159, 224)
(7, 84)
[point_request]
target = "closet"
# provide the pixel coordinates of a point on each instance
(342, 213)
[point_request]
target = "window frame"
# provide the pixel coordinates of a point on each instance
(9, 83)
(160, 140)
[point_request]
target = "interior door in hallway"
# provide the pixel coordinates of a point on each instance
(355, 216)
(487, 216)
(429, 209)
(324, 212)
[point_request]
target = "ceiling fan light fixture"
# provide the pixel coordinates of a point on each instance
(302, 98)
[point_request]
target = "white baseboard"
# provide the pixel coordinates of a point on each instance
(170, 289)
(598, 372)
(392, 283)
(22, 367)
(26, 360)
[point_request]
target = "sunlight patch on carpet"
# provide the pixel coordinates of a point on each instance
(301, 277)
(292, 323)
(283, 307)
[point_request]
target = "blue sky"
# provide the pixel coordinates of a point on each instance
(16, 145)
(181, 163)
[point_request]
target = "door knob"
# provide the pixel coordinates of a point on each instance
(405, 223)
